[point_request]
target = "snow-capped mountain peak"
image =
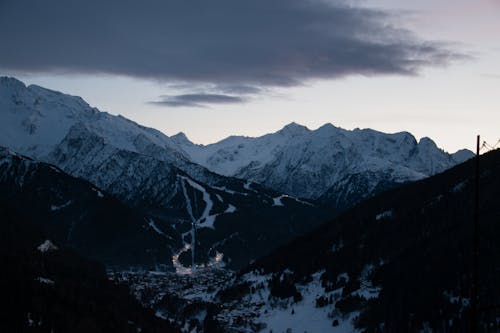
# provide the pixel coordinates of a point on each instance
(295, 160)
(181, 139)
(313, 163)
(146, 169)
(293, 129)
(46, 116)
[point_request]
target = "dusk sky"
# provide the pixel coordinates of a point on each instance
(217, 68)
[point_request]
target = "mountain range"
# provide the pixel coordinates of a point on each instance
(147, 171)
(236, 199)
(330, 164)
(325, 229)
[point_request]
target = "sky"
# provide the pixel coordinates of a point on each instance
(217, 68)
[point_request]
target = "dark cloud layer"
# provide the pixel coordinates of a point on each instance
(245, 45)
(197, 100)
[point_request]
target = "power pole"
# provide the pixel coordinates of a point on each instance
(475, 266)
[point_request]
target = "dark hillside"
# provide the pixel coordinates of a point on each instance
(75, 213)
(415, 243)
(51, 289)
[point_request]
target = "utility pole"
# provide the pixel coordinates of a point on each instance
(475, 265)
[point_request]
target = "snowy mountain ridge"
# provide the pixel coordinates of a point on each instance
(35, 119)
(149, 171)
(308, 163)
(75, 213)
(279, 160)
(330, 164)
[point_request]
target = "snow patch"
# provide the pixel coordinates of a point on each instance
(384, 215)
(99, 193)
(54, 168)
(367, 289)
(255, 277)
(302, 316)
(205, 220)
(229, 191)
(161, 314)
(277, 201)
(230, 209)
(47, 246)
(45, 281)
(247, 186)
(56, 207)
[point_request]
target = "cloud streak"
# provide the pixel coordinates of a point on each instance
(197, 100)
(240, 45)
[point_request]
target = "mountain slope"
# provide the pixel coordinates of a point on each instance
(322, 164)
(77, 214)
(149, 171)
(401, 261)
(233, 217)
(35, 119)
(48, 288)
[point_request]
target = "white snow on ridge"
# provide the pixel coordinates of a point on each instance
(33, 120)
(47, 246)
(277, 201)
(229, 191)
(54, 168)
(56, 207)
(306, 163)
(294, 160)
(220, 156)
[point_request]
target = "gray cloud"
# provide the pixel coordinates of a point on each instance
(240, 45)
(239, 89)
(197, 100)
